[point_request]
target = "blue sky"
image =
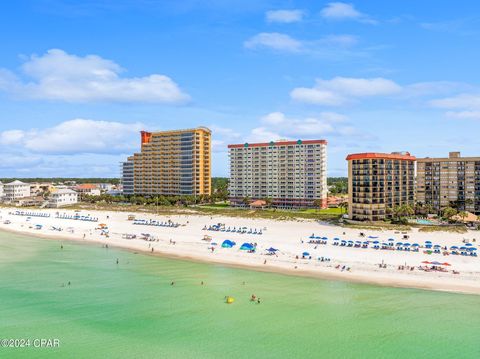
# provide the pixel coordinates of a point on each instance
(80, 79)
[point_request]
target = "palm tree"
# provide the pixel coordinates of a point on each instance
(246, 201)
(343, 206)
(449, 212)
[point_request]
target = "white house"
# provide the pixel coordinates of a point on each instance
(16, 190)
(1, 190)
(62, 197)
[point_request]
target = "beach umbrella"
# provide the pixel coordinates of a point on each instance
(463, 248)
(336, 239)
(375, 242)
(271, 249)
(426, 262)
(472, 249)
(415, 245)
(325, 238)
(436, 246)
(406, 244)
(436, 263)
(428, 242)
(468, 244)
(446, 264)
(391, 239)
(453, 247)
(305, 254)
(399, 244)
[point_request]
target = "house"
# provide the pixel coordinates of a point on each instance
(16, 190)
(62, 197)
(88, 189)
(1, 190)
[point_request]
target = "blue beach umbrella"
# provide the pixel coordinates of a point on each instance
(428, 242)
(453, 247)
(468, 245)
(391, 239)
(305, 254)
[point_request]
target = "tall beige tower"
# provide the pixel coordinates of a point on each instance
(174, 163)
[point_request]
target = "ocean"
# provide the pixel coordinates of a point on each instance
(97, 308)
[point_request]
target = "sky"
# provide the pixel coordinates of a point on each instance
(80, 79)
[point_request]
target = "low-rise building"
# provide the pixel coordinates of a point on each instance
(88, 189)
(16, 190)
(62, 197)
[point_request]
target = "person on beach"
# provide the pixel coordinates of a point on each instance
(253, 298)
(61, 246)
(258, 300)
(201, 283)
(173, 283)
(152, 249)
(117, 260)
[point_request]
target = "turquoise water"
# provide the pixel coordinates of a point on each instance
(130, 310)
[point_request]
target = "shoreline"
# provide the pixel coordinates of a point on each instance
(363, 273)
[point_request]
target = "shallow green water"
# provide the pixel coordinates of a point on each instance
(130, 310)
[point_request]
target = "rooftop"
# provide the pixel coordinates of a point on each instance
(278, 143)
(386, 156)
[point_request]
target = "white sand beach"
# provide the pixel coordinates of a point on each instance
(289, 237)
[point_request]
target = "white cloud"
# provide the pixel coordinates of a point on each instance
(344, 11)
(277, 125)
(284, 16)
(275, 41)
(464, 115)
(341, 90)
(467, 101)
(222, 136)
(76, 136)
(57, 75)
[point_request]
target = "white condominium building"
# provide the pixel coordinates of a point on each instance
(292, 174)
(62, 197)
(16, 190)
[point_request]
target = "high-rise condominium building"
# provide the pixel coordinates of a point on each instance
(173, 163)
(378, 182)
(128, 181)
(449, 182)
(292, 174)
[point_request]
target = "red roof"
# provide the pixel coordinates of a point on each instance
(279, 143)
(386, 156)
(86, 186)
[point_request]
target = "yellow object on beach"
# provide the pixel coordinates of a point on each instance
(230, 300)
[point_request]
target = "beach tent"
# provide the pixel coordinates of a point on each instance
(228, 244)
(247, 247)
